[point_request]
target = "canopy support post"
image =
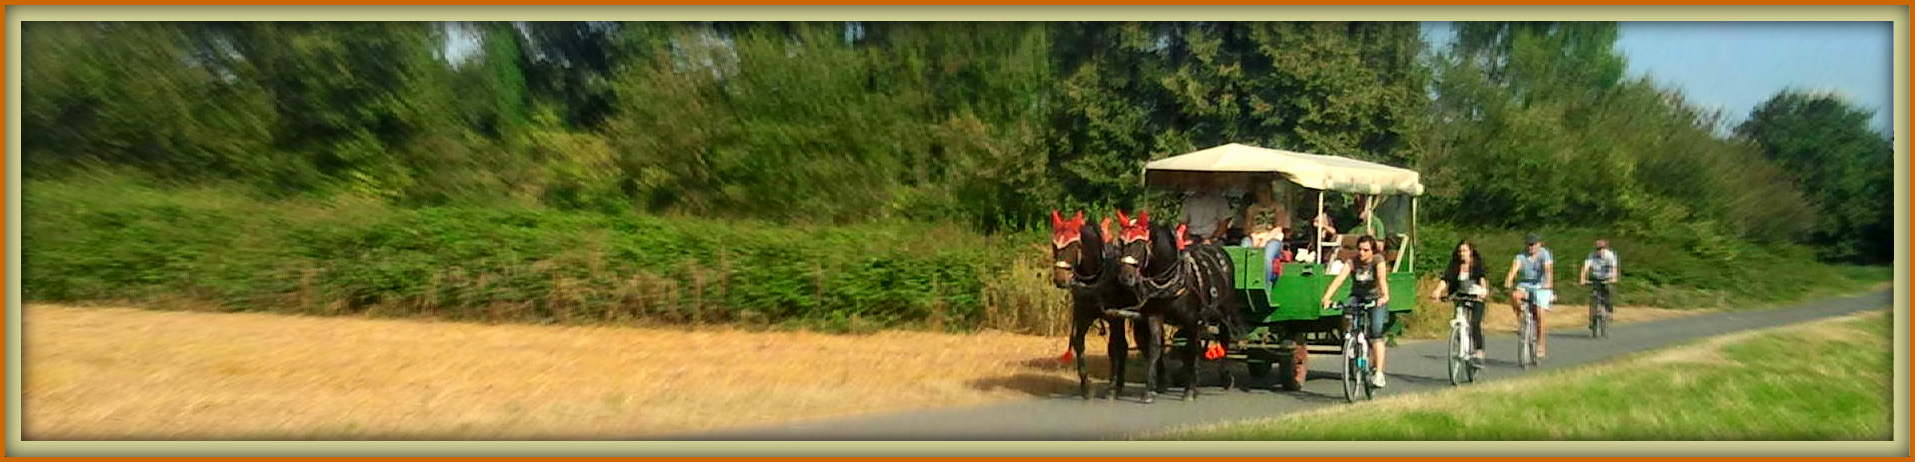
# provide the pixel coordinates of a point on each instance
(1316, 234)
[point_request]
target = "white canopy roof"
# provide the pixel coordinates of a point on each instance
(1233, 164)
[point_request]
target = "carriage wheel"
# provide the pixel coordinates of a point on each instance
(1291, 370)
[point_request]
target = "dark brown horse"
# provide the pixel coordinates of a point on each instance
(1183, 284)
(1084, 261)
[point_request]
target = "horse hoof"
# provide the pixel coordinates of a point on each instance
(1150, 397)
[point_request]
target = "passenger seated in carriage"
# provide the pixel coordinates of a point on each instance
(1327, 239)
(1270, 238)
(1263, 212)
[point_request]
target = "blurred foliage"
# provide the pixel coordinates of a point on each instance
(116, 237)
(1535, 127)
(545, 161)
(1847, 169)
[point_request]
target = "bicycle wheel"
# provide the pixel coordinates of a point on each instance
(1352, 372)
(1365, 385)
(1526, 352)
(1459, 356)
(1536, 332)
(1602, 325)
(1595, 314)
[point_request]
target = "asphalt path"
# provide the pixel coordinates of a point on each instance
(1414, 367)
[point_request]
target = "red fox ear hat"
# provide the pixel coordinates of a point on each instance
(1134, 228)
(1064, 232)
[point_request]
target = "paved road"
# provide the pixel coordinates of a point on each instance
(1414, 367)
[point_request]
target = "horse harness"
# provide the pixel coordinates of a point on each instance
(1178, 280)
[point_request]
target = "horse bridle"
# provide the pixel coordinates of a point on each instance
(1080, 280)
(1171, 285)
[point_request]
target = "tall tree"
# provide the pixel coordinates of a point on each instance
(158, 97)
(354, 99)
(1132, 92)
(1825, 141)
(1534, 126)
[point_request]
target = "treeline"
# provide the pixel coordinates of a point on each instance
(1516, 125)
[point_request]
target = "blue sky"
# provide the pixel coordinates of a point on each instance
(1733, 66)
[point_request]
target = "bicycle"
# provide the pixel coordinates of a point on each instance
(1526, 351)
(1356, 351)
(1600, 309)
(1462, 367)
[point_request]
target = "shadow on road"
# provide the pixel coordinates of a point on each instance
(1034, 384)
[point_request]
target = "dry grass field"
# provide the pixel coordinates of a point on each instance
(107, 373)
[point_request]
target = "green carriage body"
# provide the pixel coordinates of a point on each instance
(1297, 294)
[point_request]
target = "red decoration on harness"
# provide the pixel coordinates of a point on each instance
(1064, 232)
(1104, 225)
(1135, 228)
(1183, 236)
(1215, 351)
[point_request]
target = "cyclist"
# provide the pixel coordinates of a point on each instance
(1602, 264)
(1465, 275)
(1365, 272)
(1538, 270)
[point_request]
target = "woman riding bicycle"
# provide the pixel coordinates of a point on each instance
(1538, 270)
(1465, 274)
(1366, 274)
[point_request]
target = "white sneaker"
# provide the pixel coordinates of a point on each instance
(1378, 379)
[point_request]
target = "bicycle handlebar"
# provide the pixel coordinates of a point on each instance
(1344, 305)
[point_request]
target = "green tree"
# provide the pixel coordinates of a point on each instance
(1132, 92)
(1533, 126)
(1826, 143)
(158, 97)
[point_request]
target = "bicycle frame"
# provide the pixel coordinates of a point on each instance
(1531, 334)
(1601, 308)
(1357, 365)
(1461, 367)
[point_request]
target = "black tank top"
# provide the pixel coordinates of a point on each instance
(1364, 279)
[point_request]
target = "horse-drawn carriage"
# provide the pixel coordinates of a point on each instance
(1285, 315)
(1153, 277)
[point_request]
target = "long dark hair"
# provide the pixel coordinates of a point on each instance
(1456, 262)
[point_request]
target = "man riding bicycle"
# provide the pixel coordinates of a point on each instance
(1538, 271)
(1601, 264)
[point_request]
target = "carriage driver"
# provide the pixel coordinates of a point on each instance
(1204, 213)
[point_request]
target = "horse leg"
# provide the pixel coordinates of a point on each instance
(1119, 355)
(1079, 327)
(1153, 357)
(1163, 360)
(1193, 340)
